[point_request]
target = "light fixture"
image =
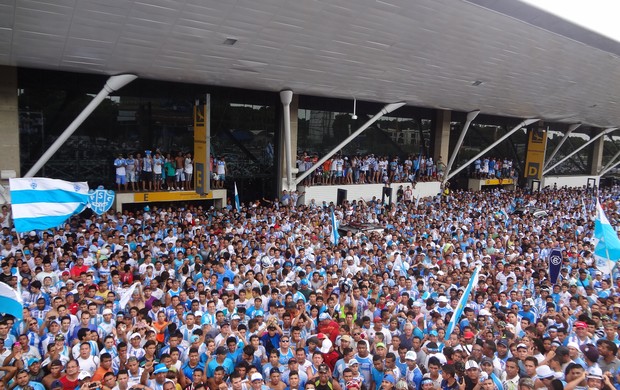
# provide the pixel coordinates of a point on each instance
(230, 41)
(354, 117)
(476, 83)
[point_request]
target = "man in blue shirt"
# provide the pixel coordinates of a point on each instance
(220, 360)
(193, 363)
(22, 379)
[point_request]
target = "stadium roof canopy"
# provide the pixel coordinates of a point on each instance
(501, 57)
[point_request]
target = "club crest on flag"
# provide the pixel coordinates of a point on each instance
(100, 200)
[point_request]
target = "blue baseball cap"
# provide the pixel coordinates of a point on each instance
(160, 369)
(389, 378)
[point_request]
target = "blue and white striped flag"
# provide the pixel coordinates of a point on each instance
(40, 203)
(335, 236)
(11, 301)
(473, 282)
(237, 204)
(606, 242)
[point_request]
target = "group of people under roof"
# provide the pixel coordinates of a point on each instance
(268, 297)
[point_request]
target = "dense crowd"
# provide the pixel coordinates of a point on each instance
(370, 168)
(366, 169)
(262, 298)
(159, 171)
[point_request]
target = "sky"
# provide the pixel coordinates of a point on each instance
(600, 16)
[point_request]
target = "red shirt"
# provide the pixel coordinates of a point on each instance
(331, 329)
(77, 270)
(331, 359)
(67, 384)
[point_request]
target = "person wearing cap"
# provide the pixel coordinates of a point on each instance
(293, 366)
(55, 385)
(526, 312)
(580, 335)
(388, 382)
(328, 327)
(256, 382)
(379, 328)
(34, 369)
(55, 373)
(590, 355)
(107, 326)
(443, 307)
(596, 380)
(221, 359)
(158, 378)
(544, 376)
(413, 375)
(325, 380)
(275, 380)
(472, 374)
(134, 348)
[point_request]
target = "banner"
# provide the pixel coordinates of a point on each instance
(101, 200)
(607, 244)
(237, 203)
(40, 203)
(535, 158)
(202, 155)
(11, 301)
(555, 264)
(334, 236)
(473, 282)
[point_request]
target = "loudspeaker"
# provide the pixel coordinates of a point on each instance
(386, 193)
(341, 196)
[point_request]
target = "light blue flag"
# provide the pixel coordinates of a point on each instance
(40, 203)
(11, 301)
(607, 247)
(237, 204)
(497, 382)
(473, 282)
(335, 235)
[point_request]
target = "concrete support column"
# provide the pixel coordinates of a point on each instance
(9, 120)
(596, 159)
(442, 136)
(294, 108)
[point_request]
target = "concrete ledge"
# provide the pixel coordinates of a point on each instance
(122, 198)
(477, 184)
(570, 181)
(366, 191)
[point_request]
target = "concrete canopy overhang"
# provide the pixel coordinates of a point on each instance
(501, 57)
